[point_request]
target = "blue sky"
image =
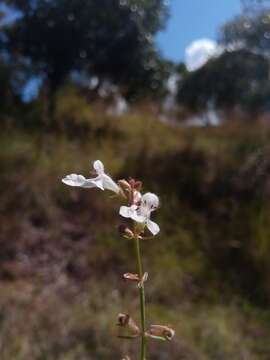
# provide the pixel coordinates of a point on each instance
(194, 19)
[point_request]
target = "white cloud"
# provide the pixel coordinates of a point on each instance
(199, 52)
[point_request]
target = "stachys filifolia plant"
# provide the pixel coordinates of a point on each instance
(138, 207)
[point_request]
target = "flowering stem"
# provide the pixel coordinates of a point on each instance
(142, 300)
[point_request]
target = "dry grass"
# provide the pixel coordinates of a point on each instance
(61, 257)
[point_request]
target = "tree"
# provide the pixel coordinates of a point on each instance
(234, 79)
(248, 31)
(110, 39)
(254, 5)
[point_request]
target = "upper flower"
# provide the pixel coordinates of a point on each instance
(101, 181)
(141, 213)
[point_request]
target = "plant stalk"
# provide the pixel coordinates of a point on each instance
(142, 300)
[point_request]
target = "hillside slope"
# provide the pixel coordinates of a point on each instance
(61, 257)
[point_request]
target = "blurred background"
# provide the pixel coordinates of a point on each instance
(173, 93)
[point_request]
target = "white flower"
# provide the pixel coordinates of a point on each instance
(101, 181)
(141, 213)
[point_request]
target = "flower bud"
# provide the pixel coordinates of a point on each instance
(126, 321)
(124, 185)
(161, 332)
(135, 184)
(125, 231)
(131, 277)
(138, 185)
(136, 278)
(123, 319)
(136, 197)
(132, 182)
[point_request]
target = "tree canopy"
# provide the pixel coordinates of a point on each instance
(249, 31)
(111, 39)
(237, 78)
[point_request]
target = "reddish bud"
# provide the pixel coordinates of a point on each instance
(161, 331)
(124, 185)
(138, 185)
(131, 277)
(126, 321)
(136, 278)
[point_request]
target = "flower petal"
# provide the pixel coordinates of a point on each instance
(74, 180)
(138, 218)
(131, 212)
(89, 183)
(152, 227)
(125, 211)
(97, 182)
(109, 184)
(99, 167)
(151, 201)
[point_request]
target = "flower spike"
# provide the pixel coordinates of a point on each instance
(137, 207)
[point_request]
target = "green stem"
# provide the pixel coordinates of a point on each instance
(142, 300)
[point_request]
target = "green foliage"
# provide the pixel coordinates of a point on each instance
(238, 78)
(235, 79)
(250, 31)
(105, 38)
